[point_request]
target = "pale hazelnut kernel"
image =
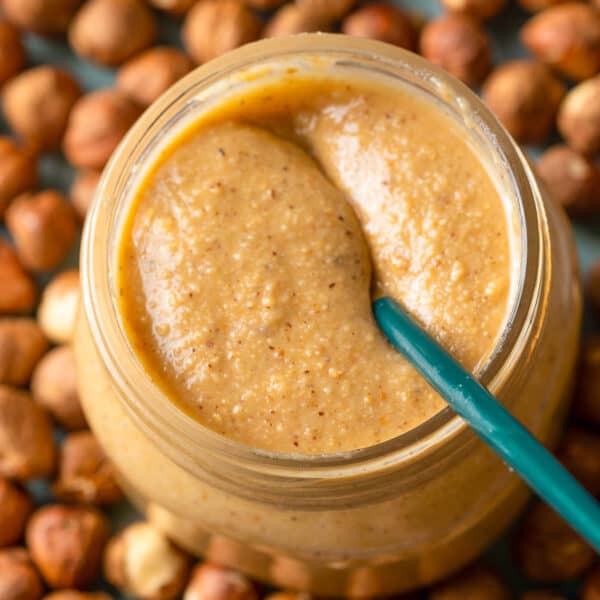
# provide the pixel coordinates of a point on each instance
(210, 582)
(19, 579)
(58, 307)
(18, 293)
(15, 507)
(22, 345)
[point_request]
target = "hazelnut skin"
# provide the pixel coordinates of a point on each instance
(76, 595)
(18, 171)
(474, 582)
(22, 345)
(173, 7)
(19, 291)
(15, 508)
(82, 191)
(210, 582)
(478, 9)
(293, 18)
(12, 51)
(58, 307)
(19, 580)
(587, 391)
(330, 10)
(47, 17)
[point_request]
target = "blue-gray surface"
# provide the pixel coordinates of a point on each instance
(57, 173)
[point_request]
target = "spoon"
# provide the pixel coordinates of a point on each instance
(491, 421)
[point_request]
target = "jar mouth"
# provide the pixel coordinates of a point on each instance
(155, 412)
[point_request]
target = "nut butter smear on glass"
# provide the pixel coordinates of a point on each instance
(253, 248)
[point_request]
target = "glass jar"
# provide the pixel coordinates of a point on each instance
(376, 520)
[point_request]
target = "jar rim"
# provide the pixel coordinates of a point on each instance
(158, 415)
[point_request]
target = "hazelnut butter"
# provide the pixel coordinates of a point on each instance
(228, 359)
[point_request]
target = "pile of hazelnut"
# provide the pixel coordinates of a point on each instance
(61, 549)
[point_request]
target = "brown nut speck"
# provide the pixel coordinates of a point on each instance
(213, 27)
(587, 393)
(37, 103)
(572, 180)
(48, 17)
(148, 75)
(459, 45)
(18, 171)
(58, 306)
(85, 474)
(593, 287)
(479, 9)
(566, 37)
(12, 51)
(475, 582)
(140, 561)
(44, 227)
(15, 508)
(209, 582)
(525, 96)
(66, 544)
(591, 586)
(579, 116)
(82, 191)
(27, 449)
(54, 386)
(579, 452)
(22, 345)
(18, 292)
(173, 7)
(382, 22)
(19, 579)
(292, 18)
(548, 550)
(111, 31)
(96, 125)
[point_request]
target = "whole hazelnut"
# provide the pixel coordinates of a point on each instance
(525, 96)
(593, 286)
(19, 579)
(537, 5)
(579, 451)
(127, 26)
(210, 582)
(382, 22)
(37, 103)
(84, 472)
(293, 18)
(591, 586)
(54, 386)
(66, 544)
(44, 227)
(146, 76)
(579, 116)
(479, 9)
(18, 292)
(18, 171)
(566, 37)
(572, 179)
(213, 27)
(27, 448)
(76, 595)
(22, 345)
(49, 17)
(459, 45)
(140, 561)
(58, 307)
(15, 508)
(587, 391)
(173, 7)
(96, 125)
(475, 582)
(332, 10)
(82, 191)
(548, 550)
(12, 51)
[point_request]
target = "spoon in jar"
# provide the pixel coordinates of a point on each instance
(491, 421)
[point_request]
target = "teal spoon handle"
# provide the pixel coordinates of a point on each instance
(491, 421)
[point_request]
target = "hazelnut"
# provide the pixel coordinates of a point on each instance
(264, 4)
(566, 37)
(479, 9)
(475, 582)
(82, 191)
(19, 579)
(459, 45)
(537, 5)
(15, 508)
(593, 285)
(12, 51)
(572, 179)
(18, 171)
(288, 596)
(173, 7)
(54, 386)
(209, 582)
(382, 22)
(292, 18)
(22, 345)
(579, 452)
(525, 96)
(41, 16)
(127, 26)
(96, 125)
(146, 76)
(44, 228)
(37, 103)
(587, 393)
(591, 586)
(84, 472)
(579, 116)
(18, 293)
(27, 448)
(140, 561)
(331, 10)
(58, 308)
(66, 544)
(76, 595)
(213, 27)
(548, 550)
